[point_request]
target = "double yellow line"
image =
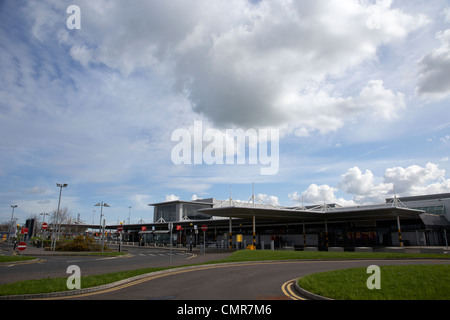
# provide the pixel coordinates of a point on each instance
(286, 287)
(288, 290)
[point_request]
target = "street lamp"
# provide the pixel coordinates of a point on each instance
(13, 206)
(44, 214)
(101, 205)
(45, 231)
(129, 214)
(60, 186)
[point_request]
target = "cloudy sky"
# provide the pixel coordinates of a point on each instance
(358, 91)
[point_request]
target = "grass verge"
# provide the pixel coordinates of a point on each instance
(59, 284)
(262, 255)
(48, 285)
(411, 282)
(14, 258)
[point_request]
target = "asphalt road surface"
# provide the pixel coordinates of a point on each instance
(244, 281)
(56, 265)
(248, 281)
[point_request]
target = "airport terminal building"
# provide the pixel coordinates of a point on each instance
(407, 221)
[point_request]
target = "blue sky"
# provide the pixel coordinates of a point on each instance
(358, 91)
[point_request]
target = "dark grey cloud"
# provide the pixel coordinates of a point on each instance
(241, 63)
(434, 78)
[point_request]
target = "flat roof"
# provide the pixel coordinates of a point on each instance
(379, 212)
(437, 196)
(180, 201)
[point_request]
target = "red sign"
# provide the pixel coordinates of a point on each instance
(22, 246)
(24, 231)
(44, 225)
(144, 228)
(179, 228)
(204, 227)
(119, 228)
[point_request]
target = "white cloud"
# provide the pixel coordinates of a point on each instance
(383, 103)
(368, 189)
(81, 54)
(318, 195)
(447, 15)
(363, 186)
(414, 179)
(171, 197)
(316, 109)
(195, 197)
(140, 202)
(273, 200)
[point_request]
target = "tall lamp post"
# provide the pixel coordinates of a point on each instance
(45, 231)
(129, 214)
(57, 227)
(101, 205)
(13, 206)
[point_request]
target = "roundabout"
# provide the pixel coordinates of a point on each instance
(259, 280)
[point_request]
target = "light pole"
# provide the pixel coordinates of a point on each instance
(44, 214)
(56, 227)
(129, 214)
(45, 230)
(13, 206)
(101, 205)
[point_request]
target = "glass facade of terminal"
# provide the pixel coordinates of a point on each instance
(167, 213)
(190, 211)
(440, 210)
(179, 211)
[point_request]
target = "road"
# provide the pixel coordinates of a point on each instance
(56, 266)
(248, 281)
(244, 281)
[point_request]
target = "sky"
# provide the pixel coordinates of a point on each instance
(354, 93)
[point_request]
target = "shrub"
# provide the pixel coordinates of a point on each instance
(80, 243)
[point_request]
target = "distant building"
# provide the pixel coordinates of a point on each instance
(438, 204)
(178, 210)
(406, 221)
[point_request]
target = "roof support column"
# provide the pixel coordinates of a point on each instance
(254, 234)
(326, 234)
(231, 239)
(304, 235)
(399, 232)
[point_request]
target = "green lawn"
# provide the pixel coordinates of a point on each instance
(412, 282)
(47, 285)
(15, 258)
(261, 255)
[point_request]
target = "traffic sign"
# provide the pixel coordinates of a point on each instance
(24, 231)
(22, 246)
(44, 225)
(119, 228)
(204, 227)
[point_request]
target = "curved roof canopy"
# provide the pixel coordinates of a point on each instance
(379, 212)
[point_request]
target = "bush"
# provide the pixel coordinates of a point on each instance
(80, 243)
